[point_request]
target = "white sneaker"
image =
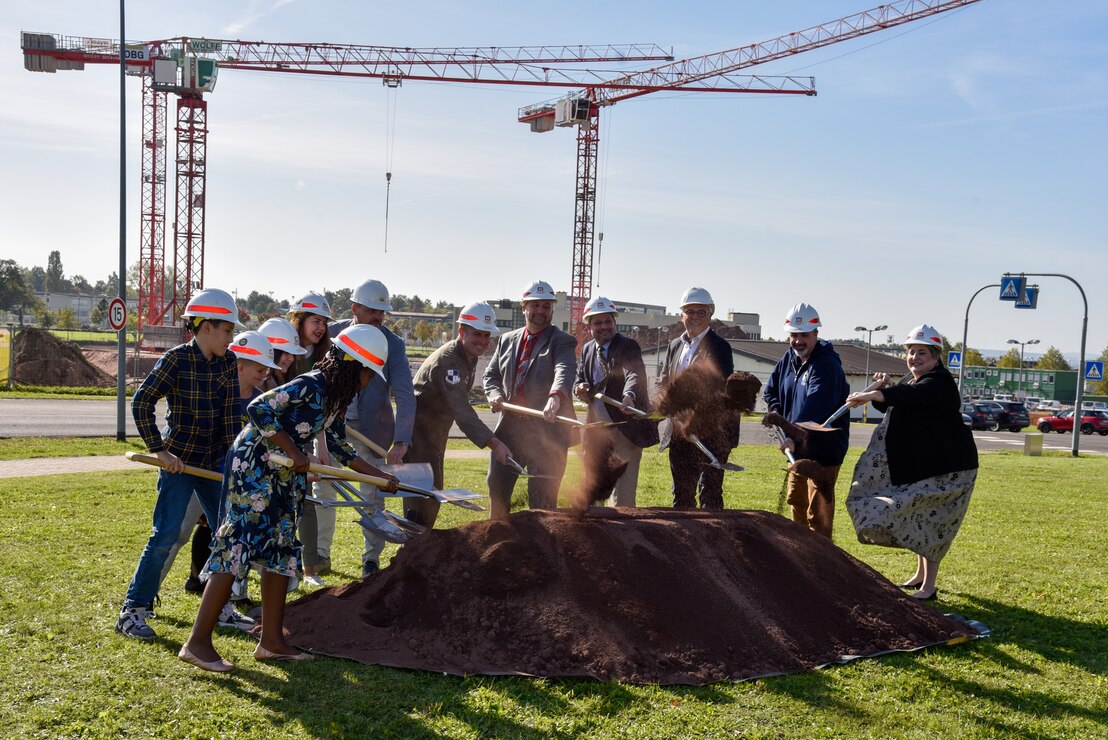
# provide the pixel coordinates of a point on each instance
(232, 617)
(314, 581)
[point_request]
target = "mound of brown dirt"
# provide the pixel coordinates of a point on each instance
(635, 595)
(43, 359)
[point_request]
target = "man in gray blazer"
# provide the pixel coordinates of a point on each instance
(371, 411)
(533, 367)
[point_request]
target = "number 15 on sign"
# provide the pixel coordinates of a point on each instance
(117, 314)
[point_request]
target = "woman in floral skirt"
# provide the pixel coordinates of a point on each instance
(912, 485)
(264, 500)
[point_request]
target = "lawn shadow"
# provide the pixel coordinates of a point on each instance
(816, 689)
(363, 700)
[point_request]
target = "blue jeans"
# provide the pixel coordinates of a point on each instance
(174, 492)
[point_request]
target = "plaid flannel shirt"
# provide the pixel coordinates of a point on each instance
(203, 398)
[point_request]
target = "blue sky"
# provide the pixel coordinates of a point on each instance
(936, 157)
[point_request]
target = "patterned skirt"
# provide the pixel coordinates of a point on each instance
(922, 517)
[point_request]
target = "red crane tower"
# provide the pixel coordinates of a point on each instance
(187, 67)
(707, 73)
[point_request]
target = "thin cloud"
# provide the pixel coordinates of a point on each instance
(255, 11)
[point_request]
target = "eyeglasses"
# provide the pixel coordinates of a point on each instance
(695, 312)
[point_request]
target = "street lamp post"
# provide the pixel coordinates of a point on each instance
(1019, 382)
(869, 339)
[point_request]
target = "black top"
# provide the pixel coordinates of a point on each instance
(925, 435)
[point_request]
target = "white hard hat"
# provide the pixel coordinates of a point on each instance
(697, 296)
(213, 303)
(801, 319)
(366, 344)
(372, 294)
(480, 316)
(312, 303)
(538, 290)
(282, 335)
(598, 305)
(924, 334)
(253, 346)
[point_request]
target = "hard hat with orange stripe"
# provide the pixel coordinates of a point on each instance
(253, 346)
(801, 319)
(282, 335)
(213, 303)
(480, 316)
(924, 334)
(366, 344)
(312, 303)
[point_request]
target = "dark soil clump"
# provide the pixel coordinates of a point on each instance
(43, 359)
(634, 595)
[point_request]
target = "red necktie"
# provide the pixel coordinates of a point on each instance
(523, 364)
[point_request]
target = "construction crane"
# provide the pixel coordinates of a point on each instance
(707, 73)
(187, 67)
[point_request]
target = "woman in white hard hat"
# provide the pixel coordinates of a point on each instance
(286, 348)
(263, 500)
(309, 315)
(912, 485)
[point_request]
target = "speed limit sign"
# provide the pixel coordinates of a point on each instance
(117, 314)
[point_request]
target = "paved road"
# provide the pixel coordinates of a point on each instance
(47, 417)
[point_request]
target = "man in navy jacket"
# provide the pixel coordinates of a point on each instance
(808, 384)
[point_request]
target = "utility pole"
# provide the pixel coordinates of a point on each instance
(869, 341)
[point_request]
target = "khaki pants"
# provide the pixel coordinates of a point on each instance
(813, 501)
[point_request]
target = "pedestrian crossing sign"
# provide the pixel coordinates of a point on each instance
(1094, 370)
(954, 360)
(1030, 298)
(1011, 287)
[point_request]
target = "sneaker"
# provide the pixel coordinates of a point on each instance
(194, 585)
(132, 623)
(369, 567)
(314, 581)
(230, 617)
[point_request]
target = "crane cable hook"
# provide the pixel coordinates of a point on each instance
(392, 82)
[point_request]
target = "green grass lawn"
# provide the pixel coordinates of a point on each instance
(1029, 563)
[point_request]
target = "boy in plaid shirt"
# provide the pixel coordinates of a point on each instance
(200, 384)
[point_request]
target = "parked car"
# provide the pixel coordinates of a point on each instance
(1050, 405)
(1091, 421)
(1012, 416)
(967, 420)
(982, 415)
(1032, 402)
(1094, 406)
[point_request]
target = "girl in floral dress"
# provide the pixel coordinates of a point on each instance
(264, 500)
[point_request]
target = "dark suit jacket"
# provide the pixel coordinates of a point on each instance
(712, 349)
(553, 363)
(626, 374)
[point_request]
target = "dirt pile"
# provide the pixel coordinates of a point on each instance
(635, 595)
(43, 359)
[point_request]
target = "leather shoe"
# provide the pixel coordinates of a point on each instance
(931, 597)
(260, 653)
(215, 666)
(913, 586)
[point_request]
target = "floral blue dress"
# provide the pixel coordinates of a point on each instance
(262, 500)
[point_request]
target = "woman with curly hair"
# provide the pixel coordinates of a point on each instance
(264, 500)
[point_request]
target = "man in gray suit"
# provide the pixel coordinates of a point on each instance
(371, 411)
(533, 367)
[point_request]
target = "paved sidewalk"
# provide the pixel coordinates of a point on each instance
(106, 463)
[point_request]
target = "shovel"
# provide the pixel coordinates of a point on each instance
(653, 416)
(826, 426)
(713, 461)
(389, 526)
(537, 414)
(190, 469)
(457, 496)
(523, 471)
(375, 448)
(782, 439)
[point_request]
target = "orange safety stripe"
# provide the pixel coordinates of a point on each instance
(277, 340)
(211, 309)
(309, 305)
(244, 350)
(363, 352)
(467, 317)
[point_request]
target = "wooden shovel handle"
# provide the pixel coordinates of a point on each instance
(377, 449)
(536, 413)
(190, 469)
(332, 471)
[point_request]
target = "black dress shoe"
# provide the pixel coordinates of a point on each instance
(910, 586)
(932, 597)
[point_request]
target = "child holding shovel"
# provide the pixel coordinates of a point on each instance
(264, 500)
(199, 383)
